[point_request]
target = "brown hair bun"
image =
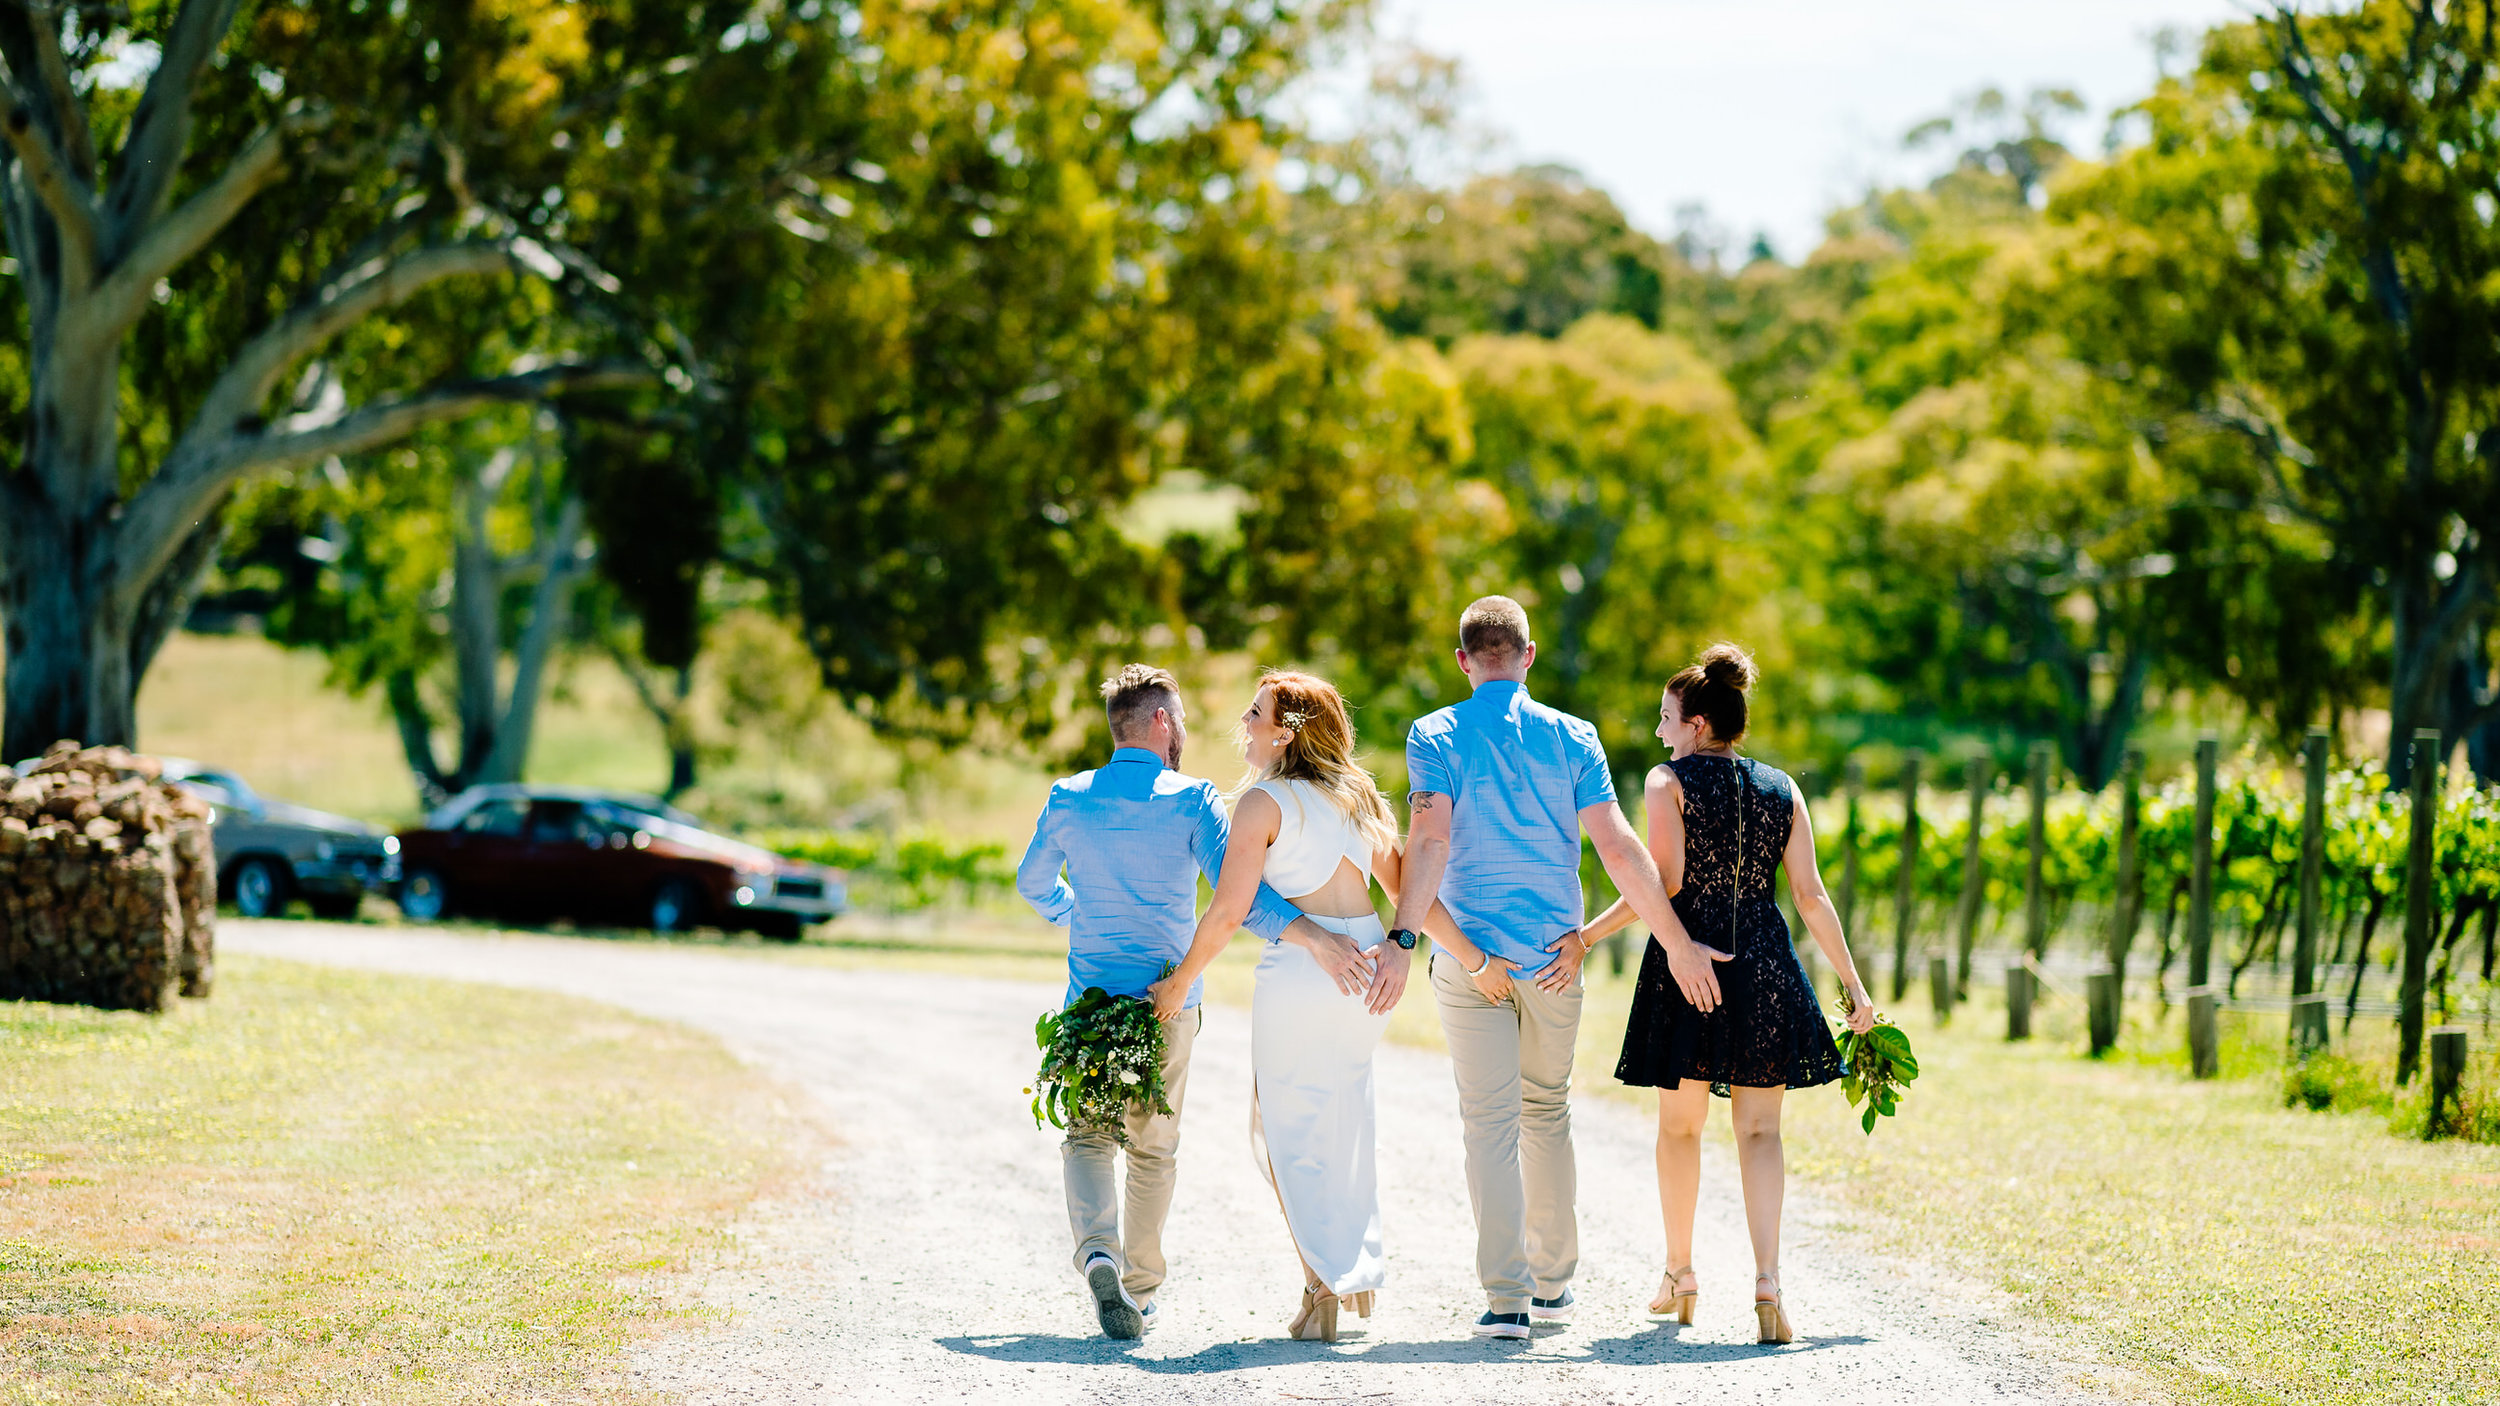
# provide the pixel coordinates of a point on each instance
(1729, 664)
(1713, 688)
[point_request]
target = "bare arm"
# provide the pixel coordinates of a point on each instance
(1427, 861)
(1255, 822)
(1662, 801)
(1814, 903)
(1636, 874)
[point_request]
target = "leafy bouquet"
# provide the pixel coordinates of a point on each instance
(1877, 1066)
(1101, 1055)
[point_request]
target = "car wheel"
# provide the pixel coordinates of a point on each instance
(337, 907)
(780, 927)
(423, 896)
(675, 906)
(260, 887)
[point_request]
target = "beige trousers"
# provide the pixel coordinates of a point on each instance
(1090, 1158)
(1512, 1059)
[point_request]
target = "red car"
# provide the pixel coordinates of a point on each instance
(536, 852)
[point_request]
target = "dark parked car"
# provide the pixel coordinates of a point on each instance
(535, 852)
(269, 852)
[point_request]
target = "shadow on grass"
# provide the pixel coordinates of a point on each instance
(1658, 1347)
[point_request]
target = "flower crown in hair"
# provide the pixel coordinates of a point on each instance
(1293, 720)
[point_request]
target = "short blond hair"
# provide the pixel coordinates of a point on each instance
(1494, 628)
(1131, 695)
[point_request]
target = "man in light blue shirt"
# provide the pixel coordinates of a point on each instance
(1500, 787)
(1132, 837)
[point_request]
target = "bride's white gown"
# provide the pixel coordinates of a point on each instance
(1311, 1055)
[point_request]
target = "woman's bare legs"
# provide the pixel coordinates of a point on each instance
(1681, 1112)
(1763, 1167)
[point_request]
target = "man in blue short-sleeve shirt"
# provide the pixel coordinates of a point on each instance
(1499, 789)
(1115, 860)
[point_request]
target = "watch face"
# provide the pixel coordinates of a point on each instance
(1403, 938)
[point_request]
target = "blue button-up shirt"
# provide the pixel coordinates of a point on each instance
(1517, 775)
(1133, 836)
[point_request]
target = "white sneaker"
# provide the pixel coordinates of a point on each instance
(1554, 1310)
(1113, 1308)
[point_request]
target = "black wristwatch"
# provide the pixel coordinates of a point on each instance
(1403, 937)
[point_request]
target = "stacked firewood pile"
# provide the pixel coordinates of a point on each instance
(108, 882)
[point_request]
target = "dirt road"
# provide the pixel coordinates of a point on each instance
(932, 1262)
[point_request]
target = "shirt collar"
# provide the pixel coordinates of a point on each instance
(1499, 690)
(1136, 754)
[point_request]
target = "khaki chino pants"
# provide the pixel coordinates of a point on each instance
(1512, 1059)
(1090, 1157)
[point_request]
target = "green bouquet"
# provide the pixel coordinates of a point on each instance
(1100, 1057)
(1877, 1066)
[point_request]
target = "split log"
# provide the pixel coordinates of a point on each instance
(108, 882)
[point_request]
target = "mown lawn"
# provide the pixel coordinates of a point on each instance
(329, 1186)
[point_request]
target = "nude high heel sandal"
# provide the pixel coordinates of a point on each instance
(1309, 1311)
(1676, 1301)
(1772, 1317)
(1319, 1320)
(1362, 1302)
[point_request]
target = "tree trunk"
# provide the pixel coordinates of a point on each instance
(68, 642)
(495, 726)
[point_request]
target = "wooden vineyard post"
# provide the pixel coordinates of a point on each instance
(1974, 879)
(2447, 1072)
(2204, 1048)
(2308, 1025)
(2125, 904)
(1852, 781)
(2204, 1040)
(2035, 894)
(2100, 989)
(1905, 889)
(2418, 894)
(2018, 979)
(1940, 984)
(2200, 933)
(1799, 937)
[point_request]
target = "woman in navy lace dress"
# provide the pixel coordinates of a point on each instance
(1720, 827)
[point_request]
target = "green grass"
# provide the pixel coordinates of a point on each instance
(324, 1185)
(2235, 1249)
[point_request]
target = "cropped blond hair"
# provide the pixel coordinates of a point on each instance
(1494, 629)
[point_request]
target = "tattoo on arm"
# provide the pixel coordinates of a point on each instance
(1422, 800)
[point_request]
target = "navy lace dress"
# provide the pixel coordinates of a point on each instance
(1768, 1031)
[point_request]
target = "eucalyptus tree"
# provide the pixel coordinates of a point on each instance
(1018, 256)
(2303, 252)
(210, 221)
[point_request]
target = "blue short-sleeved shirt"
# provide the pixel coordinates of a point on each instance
(1133, 836)
(1517, 775)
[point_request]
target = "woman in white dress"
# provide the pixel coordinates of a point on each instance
(1311, 821)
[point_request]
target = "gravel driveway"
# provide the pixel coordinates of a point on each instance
(931, 1264)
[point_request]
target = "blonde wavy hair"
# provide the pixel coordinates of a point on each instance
(1319, 748)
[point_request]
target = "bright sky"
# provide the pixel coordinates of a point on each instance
(1772, 112)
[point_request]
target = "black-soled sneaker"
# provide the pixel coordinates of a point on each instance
(1113, 1308)
(1553, 1310)
(1501, 1325)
